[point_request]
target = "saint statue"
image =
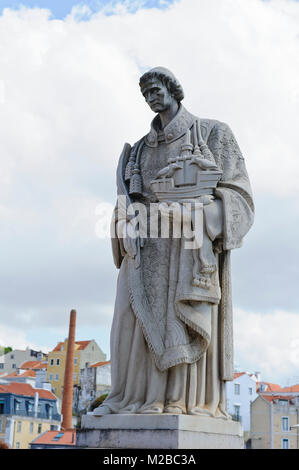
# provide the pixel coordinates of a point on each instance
(172, 336)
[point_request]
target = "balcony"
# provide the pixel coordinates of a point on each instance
(30, 414)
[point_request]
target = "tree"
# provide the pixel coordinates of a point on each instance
(98, 401)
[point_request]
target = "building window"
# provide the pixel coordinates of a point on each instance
(283, 402)
(17, 445)
(17, 405)
(75, 376)
(31, 428)
(19, 426)
(49, 411)
(237, 412)
(12, 356)
(237, 389)
(285, 444)
(75, 361)
(1, 365)
(250, 391)
(51, 362)
(50, 376)
(56, 376)
(285, 423)
(29, 407)
(57, 362)
(13, 366)
(39, 428)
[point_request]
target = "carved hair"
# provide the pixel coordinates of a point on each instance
(167, 78)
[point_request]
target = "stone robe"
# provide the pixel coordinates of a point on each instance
(172, 342)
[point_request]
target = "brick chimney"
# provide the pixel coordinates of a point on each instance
(67, 399)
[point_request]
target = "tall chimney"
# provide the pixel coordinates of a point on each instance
(67, 399)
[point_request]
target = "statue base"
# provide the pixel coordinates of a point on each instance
(166, 431)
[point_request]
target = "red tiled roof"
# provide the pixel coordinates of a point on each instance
(33, 365)
(27, 373)
(26, 390)
(13, 374)
(99, 364)
(270, 387)
(270, 398)
(291, 389)
(238, 374)
(273, 387)
(81, 344)
(68, 438)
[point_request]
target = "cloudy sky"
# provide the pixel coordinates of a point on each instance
(69, 99)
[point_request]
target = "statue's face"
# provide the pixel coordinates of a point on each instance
(157, 96)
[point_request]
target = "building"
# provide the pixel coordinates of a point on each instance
(39, 368)
(240, 392)
(31, 372)
(86, 352)
(274, 420)
(281, 400)
(27, 377)
(95, 380)
(11, 361)
(26, 412)
(55, 440)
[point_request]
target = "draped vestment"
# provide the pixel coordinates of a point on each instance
(171, 341)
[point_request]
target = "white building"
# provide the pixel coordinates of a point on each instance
(95, 380)
(12, 360)
(240, 392)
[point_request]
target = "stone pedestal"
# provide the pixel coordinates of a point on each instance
(120, 431)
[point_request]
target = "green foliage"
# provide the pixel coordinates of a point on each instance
(5, 350)
(98, 401)
(78, 425)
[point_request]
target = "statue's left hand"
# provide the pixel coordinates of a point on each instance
(129, 237)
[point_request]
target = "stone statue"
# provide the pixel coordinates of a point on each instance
(172, 337)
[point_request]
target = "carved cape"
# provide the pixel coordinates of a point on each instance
(186, 335)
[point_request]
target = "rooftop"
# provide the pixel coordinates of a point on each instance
(26, 390)
(269, 387)
(238, 374)
(27, 373)
(57, 438)
(80, 345)
(291, 389)
(270, 398)
(33, 365)
(99, 364)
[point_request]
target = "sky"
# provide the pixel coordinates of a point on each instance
(69, 100)
(61, 8)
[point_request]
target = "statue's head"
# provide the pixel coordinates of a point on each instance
(160, 87)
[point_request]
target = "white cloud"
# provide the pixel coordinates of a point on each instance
(70, 99)
(17, 339)
(268, 343)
